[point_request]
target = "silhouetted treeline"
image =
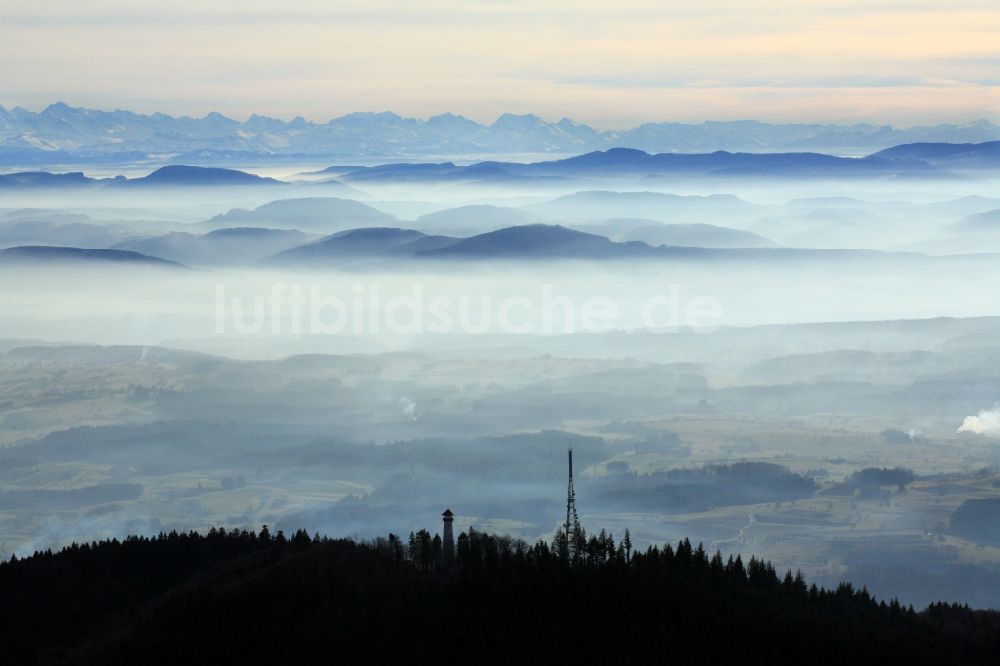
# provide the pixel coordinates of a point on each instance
(255, 598)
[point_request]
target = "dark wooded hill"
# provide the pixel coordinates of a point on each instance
(255, 598)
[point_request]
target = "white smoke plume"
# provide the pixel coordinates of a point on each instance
(409, 408)
(987, 422)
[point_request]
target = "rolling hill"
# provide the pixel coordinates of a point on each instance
(366, 243)
(905, 161)
(953, 155)
(530, 241)
(986, 222)
(41, 254)
(594, 205)
(697, 235)
(45, 232)
(474, 218)
(44, 180)
(179, 175)
(229, 246)
(311, 214)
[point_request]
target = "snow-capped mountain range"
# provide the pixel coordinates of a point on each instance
(62, 133)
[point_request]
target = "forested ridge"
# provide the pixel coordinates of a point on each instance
(256, 597)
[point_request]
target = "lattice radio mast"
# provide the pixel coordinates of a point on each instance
(572, 521)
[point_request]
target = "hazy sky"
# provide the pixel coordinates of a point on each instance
(611, 63)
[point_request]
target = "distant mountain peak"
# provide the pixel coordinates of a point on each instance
(59, 107)
(514, 120)
(215, 115)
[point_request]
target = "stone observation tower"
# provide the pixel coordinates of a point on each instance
(448, 543)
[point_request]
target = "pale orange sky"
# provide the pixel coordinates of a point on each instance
(611, 64)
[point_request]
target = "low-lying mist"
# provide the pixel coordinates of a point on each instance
(801, 369)
(377, 307)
